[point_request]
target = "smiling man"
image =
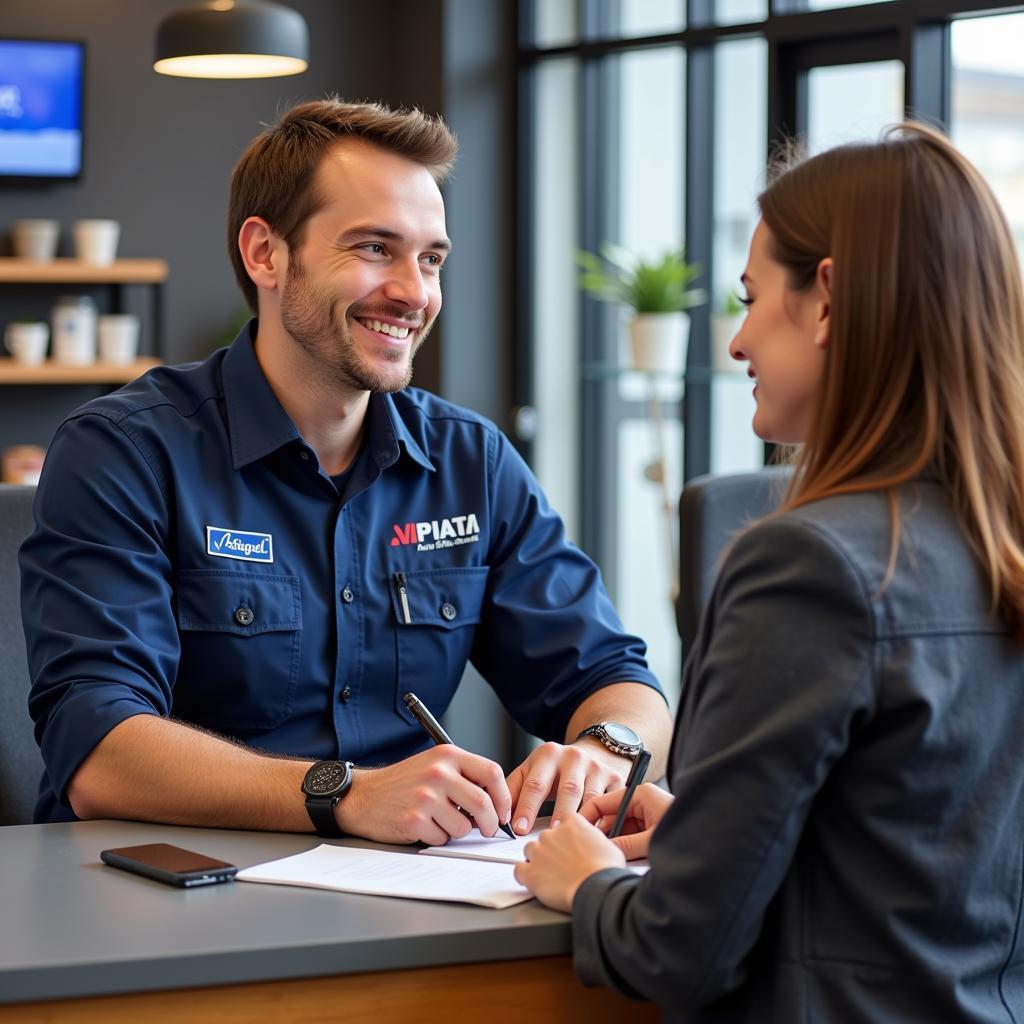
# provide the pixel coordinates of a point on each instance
(240, 567)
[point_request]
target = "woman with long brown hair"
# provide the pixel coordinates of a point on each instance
(846, 837)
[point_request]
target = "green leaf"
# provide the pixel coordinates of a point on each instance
(658, 286)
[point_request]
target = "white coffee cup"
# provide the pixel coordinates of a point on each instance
(96, 241)
(119, 337)
(27, 341)
(35, 240)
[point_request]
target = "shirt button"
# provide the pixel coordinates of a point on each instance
(304, 455)
(244, 615)
(347, 596)
(448, 611)
(346, 695)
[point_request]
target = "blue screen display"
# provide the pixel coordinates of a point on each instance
(40, 109)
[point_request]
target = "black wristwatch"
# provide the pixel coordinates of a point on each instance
(325, 784)
(618, 738)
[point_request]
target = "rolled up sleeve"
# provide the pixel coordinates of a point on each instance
(96, 594)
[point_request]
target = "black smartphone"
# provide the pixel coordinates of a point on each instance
(170, 864)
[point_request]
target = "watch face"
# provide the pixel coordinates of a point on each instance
(621, 734)
(325, 777)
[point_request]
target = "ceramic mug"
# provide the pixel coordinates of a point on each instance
(119, 337)
(96, 241)
(35, 240)
(27, 341)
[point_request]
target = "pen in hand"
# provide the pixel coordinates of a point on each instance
(636, 776)
(433, 729)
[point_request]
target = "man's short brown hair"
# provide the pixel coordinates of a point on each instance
(274, 177)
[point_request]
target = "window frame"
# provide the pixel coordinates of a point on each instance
(917, 32)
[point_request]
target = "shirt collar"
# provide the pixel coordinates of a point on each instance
(259, 425)
(257, 421)
(385, 422)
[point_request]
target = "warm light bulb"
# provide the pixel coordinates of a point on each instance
(230, 65)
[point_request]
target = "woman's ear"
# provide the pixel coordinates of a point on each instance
(264, 253)
(823, 289)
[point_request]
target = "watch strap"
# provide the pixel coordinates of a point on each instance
(320, 806)
(321, 812)
(599, 732)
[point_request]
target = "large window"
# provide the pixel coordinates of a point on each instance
(987, 116)
(648, 123)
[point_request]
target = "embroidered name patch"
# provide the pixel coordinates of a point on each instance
(249, 547)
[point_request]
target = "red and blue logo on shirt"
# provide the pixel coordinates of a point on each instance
(437, 533)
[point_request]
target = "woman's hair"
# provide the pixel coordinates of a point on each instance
(274, 177)
(924, 369)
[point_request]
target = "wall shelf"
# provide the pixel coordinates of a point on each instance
(49, 372)
(68, 271)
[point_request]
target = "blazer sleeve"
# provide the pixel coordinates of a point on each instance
(782, 675)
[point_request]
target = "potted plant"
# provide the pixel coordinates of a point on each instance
(659, 292)
(725, 325)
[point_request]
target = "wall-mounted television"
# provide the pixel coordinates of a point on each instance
(41, 84)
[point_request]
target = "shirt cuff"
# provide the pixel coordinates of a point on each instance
(591, 902)
(79, 723)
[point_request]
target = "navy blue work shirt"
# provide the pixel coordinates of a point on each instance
(190, 559)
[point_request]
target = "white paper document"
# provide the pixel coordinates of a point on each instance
(384, 873)
(500, 849)
(475, 846)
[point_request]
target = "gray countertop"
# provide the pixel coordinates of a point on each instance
(71, 926)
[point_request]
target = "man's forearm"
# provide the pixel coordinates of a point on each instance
(640, 707)
(152, 769)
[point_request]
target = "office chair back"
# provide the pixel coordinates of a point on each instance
(20, 763)
(712, 510)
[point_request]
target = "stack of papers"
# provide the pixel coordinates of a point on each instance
(500, 849)
(384, 873)
(473, 869)
(474, 846)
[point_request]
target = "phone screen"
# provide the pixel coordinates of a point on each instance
(170, 864)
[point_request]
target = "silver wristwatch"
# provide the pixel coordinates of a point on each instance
(618, 738)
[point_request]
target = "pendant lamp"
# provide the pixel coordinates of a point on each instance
(232, 39)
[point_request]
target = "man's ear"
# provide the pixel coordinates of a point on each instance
(264, 253)
(823, 288)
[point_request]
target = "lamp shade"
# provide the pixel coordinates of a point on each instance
(232, 39)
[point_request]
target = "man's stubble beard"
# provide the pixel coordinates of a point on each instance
(308, 315)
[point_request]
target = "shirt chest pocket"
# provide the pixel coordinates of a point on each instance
(240, 649)
(436, 612)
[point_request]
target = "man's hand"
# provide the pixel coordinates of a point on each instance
(572, 773)
(562, 857)
(645, 810)
(419, 799)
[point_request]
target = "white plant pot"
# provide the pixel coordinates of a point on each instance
(658, 342)
(725, 327)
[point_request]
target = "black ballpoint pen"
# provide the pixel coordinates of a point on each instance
(636, 776)
(432, 726)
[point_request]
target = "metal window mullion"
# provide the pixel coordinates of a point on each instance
(523, 359)
(599, 213)
(926, 55)
(699, 232)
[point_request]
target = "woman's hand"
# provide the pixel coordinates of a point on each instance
(562, 857)
(645, 810)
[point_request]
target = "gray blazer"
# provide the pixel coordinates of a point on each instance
(846, 839)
